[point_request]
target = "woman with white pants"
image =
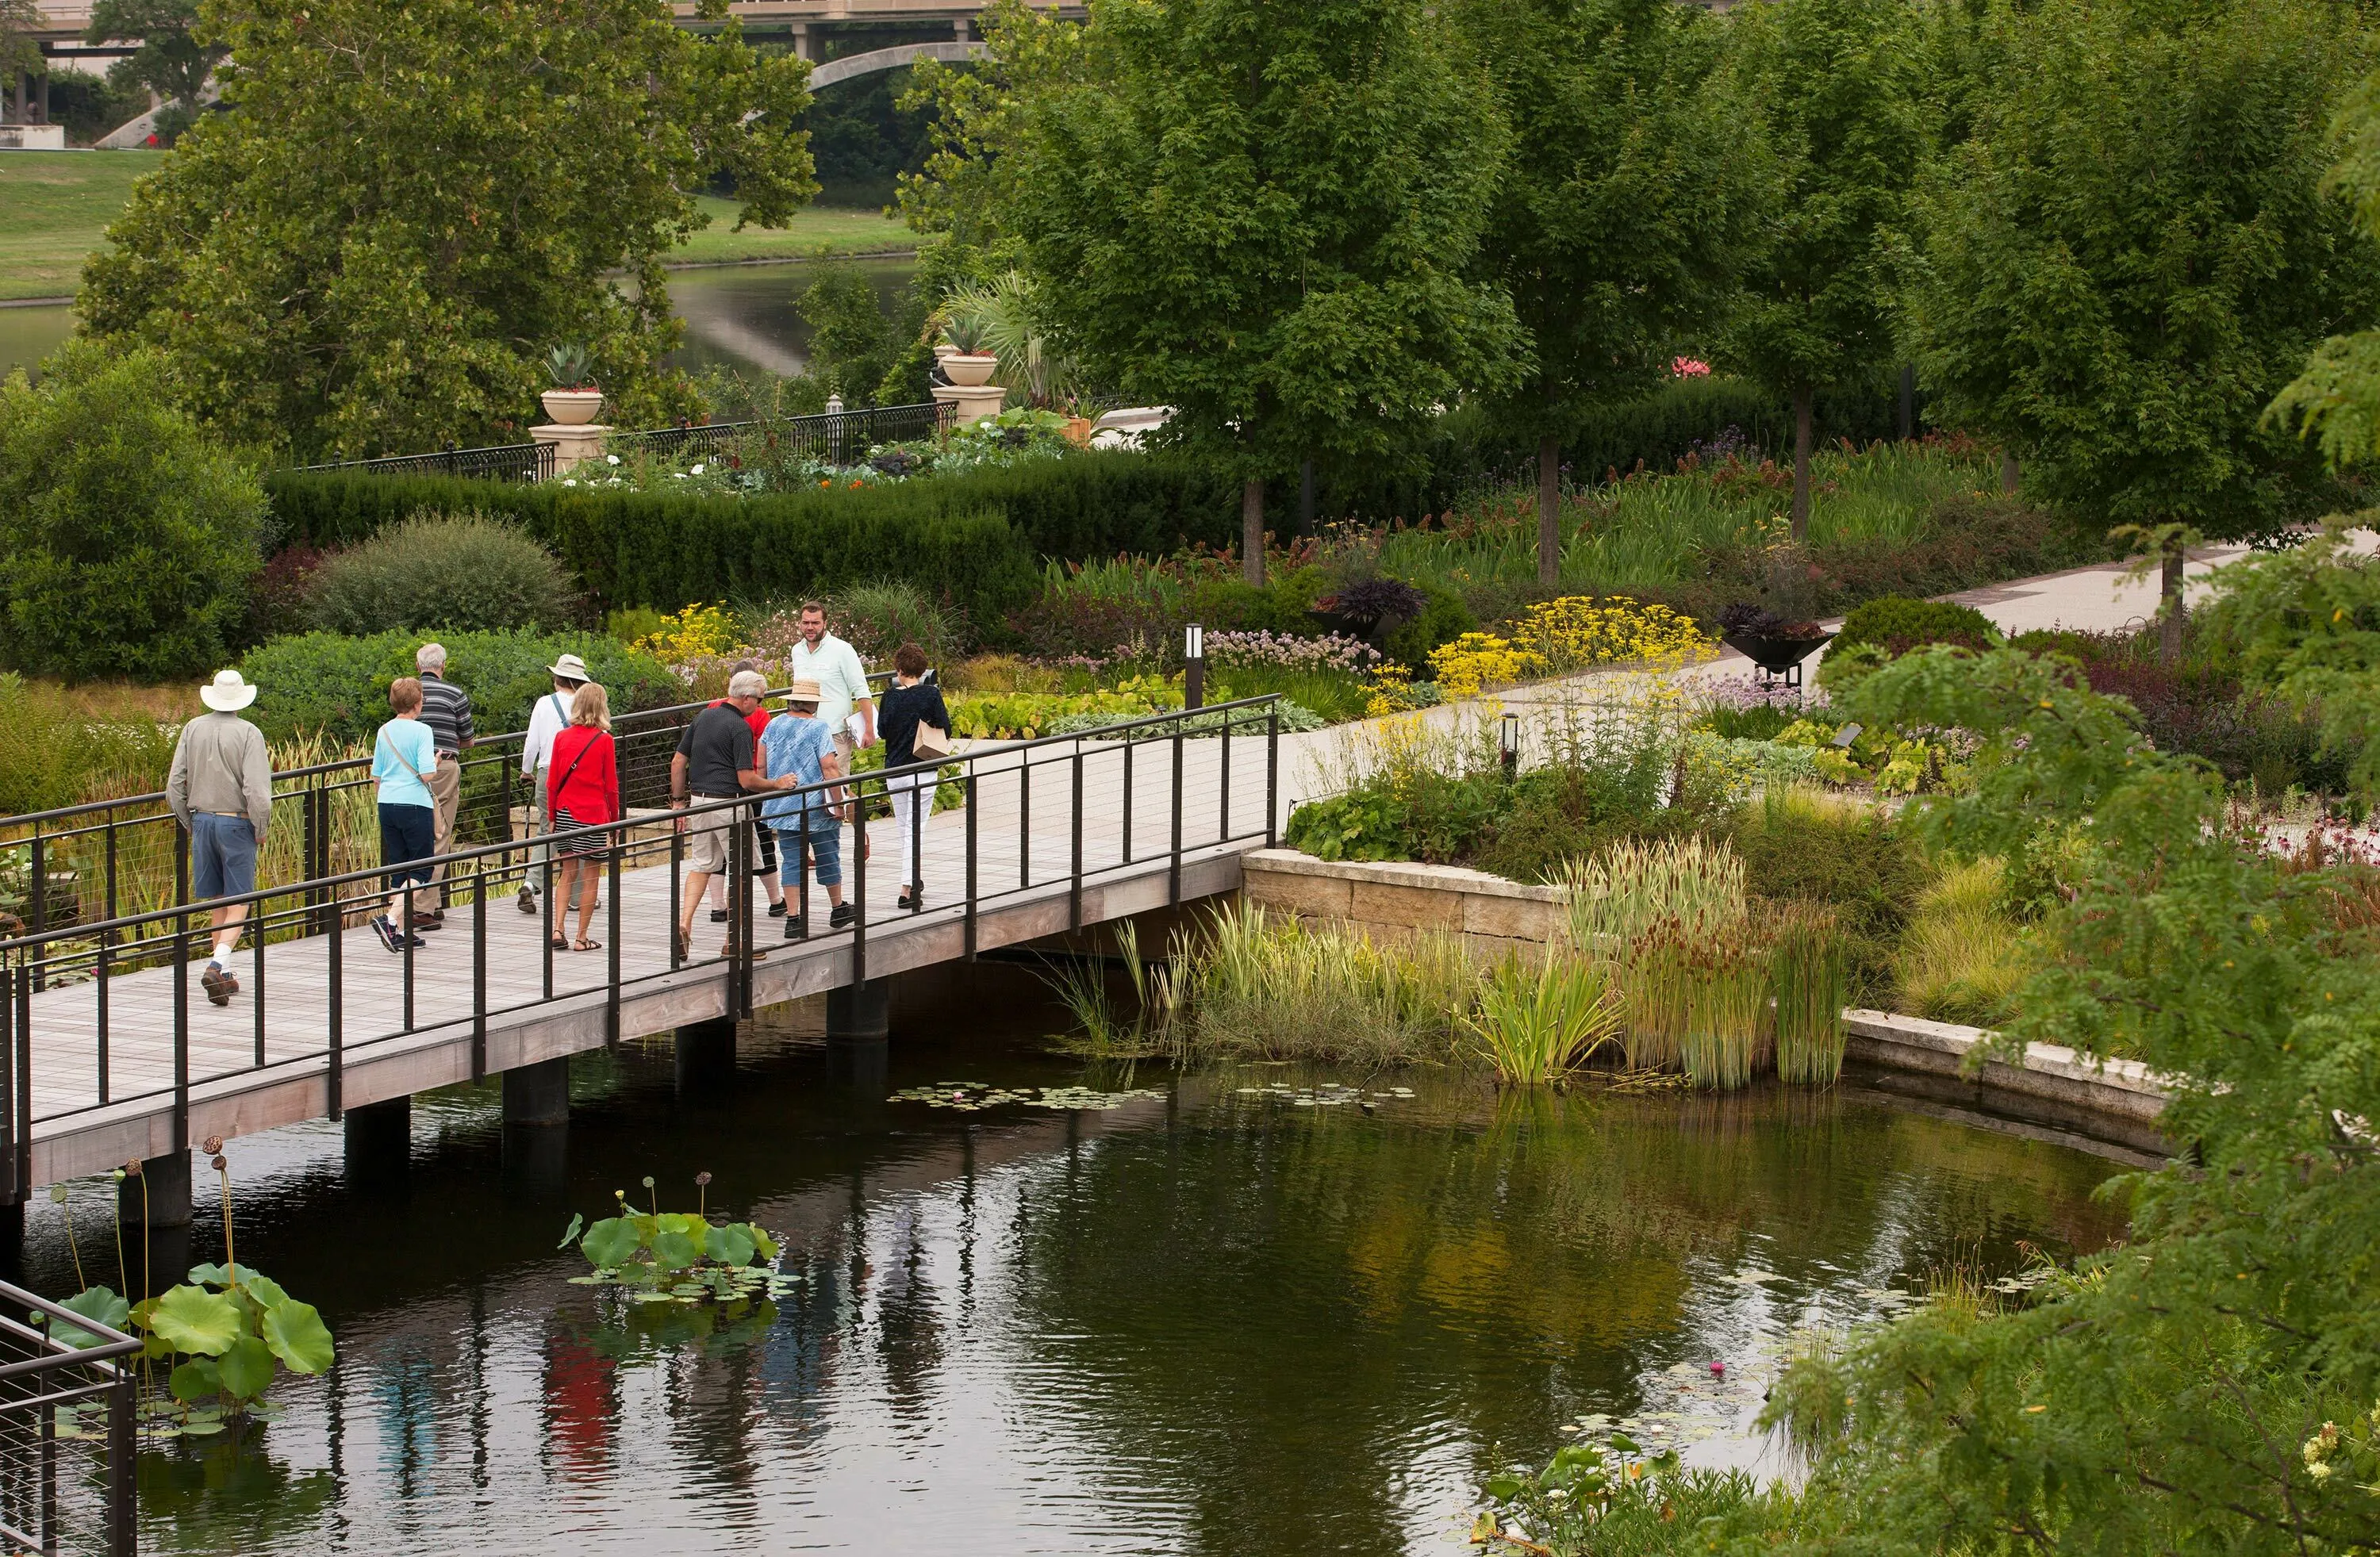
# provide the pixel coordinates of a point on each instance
(912, 701)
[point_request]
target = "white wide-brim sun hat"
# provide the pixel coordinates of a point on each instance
(228, 692)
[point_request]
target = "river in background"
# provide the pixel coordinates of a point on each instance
(737, 316)
(1237, 1312)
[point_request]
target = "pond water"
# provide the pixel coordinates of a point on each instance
(1223, 1316)
(737, 316)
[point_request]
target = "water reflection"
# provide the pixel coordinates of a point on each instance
(1206, 1322)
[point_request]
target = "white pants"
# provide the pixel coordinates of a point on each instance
(908, 794)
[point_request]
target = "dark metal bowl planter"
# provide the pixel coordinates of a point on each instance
(1778, 658)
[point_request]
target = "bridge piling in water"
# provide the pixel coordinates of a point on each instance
(859, 1013)
(705, 1055)
(379, 1140)
(538, 1094)
(159, 1195)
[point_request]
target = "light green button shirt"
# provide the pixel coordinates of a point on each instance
(842, 679)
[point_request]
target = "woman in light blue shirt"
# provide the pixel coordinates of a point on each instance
(402, 754)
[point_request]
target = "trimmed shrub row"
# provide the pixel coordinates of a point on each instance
(338, 684)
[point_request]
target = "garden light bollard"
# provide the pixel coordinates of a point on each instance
(1194, 665)
(1508, 745)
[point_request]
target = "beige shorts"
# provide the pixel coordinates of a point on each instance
(708, 837)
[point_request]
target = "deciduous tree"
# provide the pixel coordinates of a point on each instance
(1622, 213)
(1834, 83)
(172, 60)
(408, 203)
(2133, 253)
(1265, 216)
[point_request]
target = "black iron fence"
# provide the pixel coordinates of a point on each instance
(836, 437)
(504, 462)
(67, 1418)
(102, 1014)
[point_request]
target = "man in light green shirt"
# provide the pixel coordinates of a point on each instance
(823, 658)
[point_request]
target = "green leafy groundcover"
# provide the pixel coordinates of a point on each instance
(233, 1330)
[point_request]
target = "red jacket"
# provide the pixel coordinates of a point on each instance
(592, 795)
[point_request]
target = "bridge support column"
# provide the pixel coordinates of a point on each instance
(379, 1140)
(166, 1182)
(538, 1094)
(803, 47)
(859, 1013)
(705, 1054)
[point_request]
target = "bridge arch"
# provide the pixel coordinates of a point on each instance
(874, 60)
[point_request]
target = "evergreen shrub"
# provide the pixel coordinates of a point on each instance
(459, 573)
(1898, 623)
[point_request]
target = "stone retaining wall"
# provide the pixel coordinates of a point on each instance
(1394, 901)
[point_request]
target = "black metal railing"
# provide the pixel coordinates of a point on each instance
(80, 864)
(503, 462)
(67, 1420)
(102, 1015)
(836, 437)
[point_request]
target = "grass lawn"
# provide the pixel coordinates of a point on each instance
(55, 205)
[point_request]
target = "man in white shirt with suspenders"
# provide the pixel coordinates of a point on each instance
(547, 717)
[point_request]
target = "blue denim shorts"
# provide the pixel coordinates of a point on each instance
(223, 855)
(825, 840)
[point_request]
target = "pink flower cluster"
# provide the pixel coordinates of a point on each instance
(1287, 651)
(1690, 368)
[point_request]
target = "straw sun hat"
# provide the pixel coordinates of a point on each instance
(228, 692)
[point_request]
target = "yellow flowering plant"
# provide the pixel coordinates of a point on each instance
(1580, 633)
(1476, 660)
(697, 633)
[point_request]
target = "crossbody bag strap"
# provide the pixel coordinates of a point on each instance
(401, 761)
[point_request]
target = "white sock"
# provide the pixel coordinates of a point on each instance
(216, 961)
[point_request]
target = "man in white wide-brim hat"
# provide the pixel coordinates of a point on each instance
(221, 790)
(547, 718)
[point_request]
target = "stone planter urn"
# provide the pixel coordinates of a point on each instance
(572, 407)
(968, 369)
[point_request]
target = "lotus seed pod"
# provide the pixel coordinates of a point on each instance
(132, 1168)
(220, 1164)
(212, 1145)
(649, 1181)
(120, 1176)
(703, 1180)
(57, 1194)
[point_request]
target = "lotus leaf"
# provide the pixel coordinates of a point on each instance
(267, 1292)
(200, 1430)
(298, 1337)
(191, 1319)
(570, 1233)
(246, 1368)
(729, 1245)
(761, 1241)
(195, 1380)
(612, 1241)
(692, 1226)
(675, 1250)
(96, 1303)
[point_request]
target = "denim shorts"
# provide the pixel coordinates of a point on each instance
(825, 840)
(223, 855)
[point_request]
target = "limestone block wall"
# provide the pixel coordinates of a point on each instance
(1394, 902)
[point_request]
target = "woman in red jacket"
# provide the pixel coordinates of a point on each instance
(582, 790)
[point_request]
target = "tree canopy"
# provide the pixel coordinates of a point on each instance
(1834, 83)
(409, 203)
(2134, 252)
(172, 61)
(1266, 217)
(1623, 211)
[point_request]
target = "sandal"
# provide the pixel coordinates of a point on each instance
(559, 942)
(583, 944)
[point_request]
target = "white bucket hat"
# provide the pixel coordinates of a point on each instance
(570, 668)
(228, 692)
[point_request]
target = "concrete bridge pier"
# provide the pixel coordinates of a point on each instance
(538, 1094)
(379, 1140)
(158, 1196)
(858, 1030)
(536, 1133)
(705, 1055)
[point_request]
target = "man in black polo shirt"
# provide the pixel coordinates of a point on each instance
(446, 709)
(715, 762)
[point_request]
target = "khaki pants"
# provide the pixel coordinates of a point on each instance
(446, 784)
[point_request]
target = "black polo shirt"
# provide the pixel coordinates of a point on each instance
(717, 746)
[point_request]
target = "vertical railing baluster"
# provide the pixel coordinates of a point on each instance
(12, 1038)
(546, 904)
(1224, 811)
(479, 967)
(968, 798)
(182, 1031)
(310, 817)
(49, 1475)
(676, 859)
(921, 801)
(333, 1083)
(1273, 773)
(859, 875)
(258, 918)
(1075, 897)
(41, 897)
(1024, 820)
(1173, 870)
(106, 959)
(23, 1111)
(619, 840)
(122, 1462)
(1130, 741)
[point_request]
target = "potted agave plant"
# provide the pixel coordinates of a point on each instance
(970, 364)
(573, 401)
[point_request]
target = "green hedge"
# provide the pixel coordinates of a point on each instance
(338, 684)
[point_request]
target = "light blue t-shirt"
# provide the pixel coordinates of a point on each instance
(412, 738)
(795, 745)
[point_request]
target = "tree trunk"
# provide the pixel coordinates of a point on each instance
(1802, 412)
(2009, 473)
(1252, 530)
(2169, 616)
(1549, 510)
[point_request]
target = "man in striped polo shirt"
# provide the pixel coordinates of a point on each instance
(446, 709)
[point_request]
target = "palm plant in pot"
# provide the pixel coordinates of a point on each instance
(973, 362)
(573, 401)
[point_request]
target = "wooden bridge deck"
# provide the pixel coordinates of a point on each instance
(1025, 875)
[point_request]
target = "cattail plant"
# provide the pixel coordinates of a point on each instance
(1807, 972)
(1656, 973)
(1662, 913)
(1726, 1006)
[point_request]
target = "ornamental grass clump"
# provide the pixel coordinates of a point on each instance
(1669, 916)
(1727, 1035)
(1809, 975)
(1270, 986)
(1538, 1025)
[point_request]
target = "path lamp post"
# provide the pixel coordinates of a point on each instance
(1507, 744)
(1194, 667)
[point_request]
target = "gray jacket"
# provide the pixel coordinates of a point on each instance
(220, 764)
